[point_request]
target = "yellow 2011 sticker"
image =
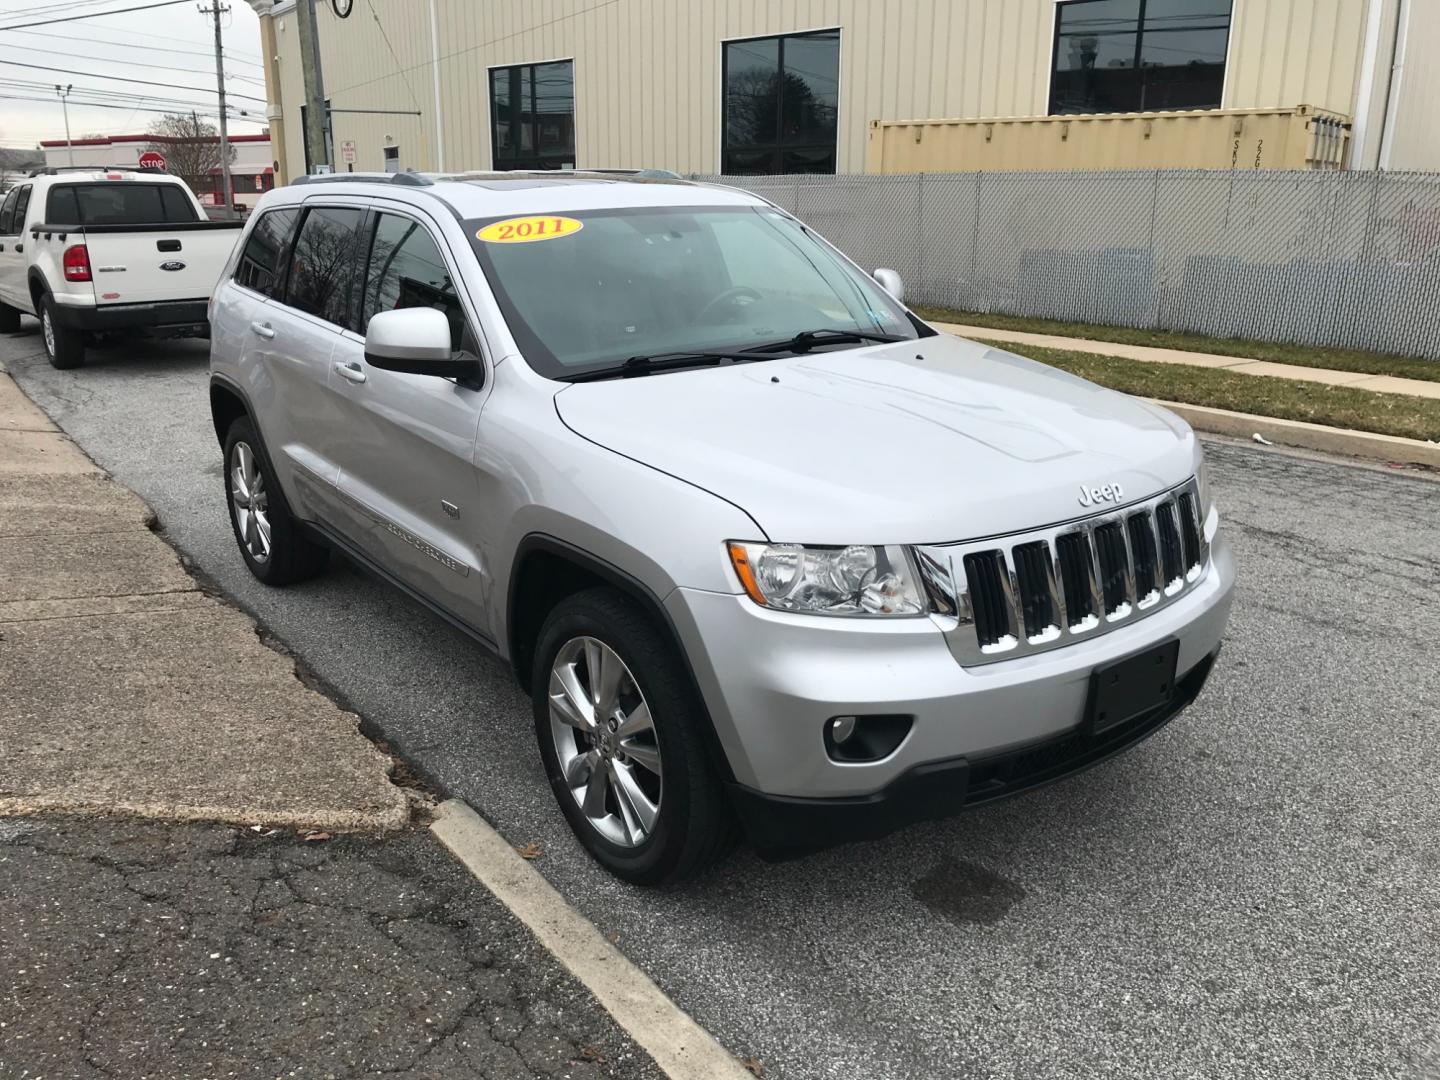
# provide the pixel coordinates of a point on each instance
(526, 230)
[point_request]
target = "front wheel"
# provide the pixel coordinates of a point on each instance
(64, 347)
(619, 727)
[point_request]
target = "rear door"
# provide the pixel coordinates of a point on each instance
(295, 333)
(146, 239)
(13, 210)
(407, 442)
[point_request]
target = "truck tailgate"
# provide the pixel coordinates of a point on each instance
(166, 262)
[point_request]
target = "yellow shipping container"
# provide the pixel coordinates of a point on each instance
(1296, 138)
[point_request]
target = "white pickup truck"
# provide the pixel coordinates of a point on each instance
(108, 251)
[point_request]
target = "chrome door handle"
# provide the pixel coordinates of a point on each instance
(263, 329)
(352, 371)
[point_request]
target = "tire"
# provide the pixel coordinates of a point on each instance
(9, 319)
(290, 555)
(64, 346)
(692, 826)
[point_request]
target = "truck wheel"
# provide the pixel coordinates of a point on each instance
(9, 319)
(271, 541)
(619, 726)
(64, 347)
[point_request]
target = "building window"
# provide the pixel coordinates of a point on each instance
(1139, 55)
(781, 98)
(532, 116)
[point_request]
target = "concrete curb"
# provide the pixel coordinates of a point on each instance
(681, 1047)
(1308, 436)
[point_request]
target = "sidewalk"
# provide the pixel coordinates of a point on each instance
(209, 917)
(1380, 384)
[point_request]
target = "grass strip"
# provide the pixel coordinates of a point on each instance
(1332, 359)
(1287, 399)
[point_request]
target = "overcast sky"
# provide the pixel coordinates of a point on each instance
(172, 46)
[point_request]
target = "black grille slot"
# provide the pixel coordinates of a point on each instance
(1189, 530)
(1170, 556)
(1142, 550)
(984, 570)
(1110, 549)
(1032, 578)
(1073, 553)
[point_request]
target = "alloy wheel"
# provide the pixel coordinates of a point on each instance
(251, 502)
(605, 741)
(48, 329)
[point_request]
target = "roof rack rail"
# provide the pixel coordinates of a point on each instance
(55, 170)
(404, 179)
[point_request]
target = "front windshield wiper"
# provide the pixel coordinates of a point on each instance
(650, 365)
(808, 339)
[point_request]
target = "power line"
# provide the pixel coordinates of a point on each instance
(95, 14)
(229, 55)
(119, 78)
(135, 108)
(126, 63)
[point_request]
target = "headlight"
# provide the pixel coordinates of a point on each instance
(1202, 485)
(854, 580)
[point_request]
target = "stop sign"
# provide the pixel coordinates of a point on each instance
(151, 160)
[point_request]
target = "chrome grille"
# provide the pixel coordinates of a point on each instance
(1039, 590)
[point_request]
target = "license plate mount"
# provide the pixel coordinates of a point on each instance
(1121, 691)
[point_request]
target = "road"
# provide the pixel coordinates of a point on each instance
(1254, 892)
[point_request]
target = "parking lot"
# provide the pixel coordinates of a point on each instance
(1251, 893)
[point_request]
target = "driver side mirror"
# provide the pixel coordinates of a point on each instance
(890, 281)
(416, 341)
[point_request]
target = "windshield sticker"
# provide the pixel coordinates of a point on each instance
(526, 230)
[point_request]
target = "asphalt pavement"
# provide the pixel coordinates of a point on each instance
(134, 949)
(1253, 892)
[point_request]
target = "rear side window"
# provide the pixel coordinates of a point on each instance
(261, 262)
(118, 202)
(323, 263)
(22, 204)
(407, 270)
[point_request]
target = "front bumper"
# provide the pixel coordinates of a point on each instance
(166, 313)
(772, 680)
(781, 825)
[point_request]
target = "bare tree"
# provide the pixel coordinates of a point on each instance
(190, 146)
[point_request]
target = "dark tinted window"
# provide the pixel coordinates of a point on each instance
(7, 212)
(323, 263)
(532, 111)
(781, 99)
(1139, 55)
(118, 202)
(407, 270)
(262, 260)
(22, 207)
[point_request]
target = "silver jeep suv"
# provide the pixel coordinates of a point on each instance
(767, 551)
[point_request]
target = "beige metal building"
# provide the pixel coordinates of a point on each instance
(813, 85)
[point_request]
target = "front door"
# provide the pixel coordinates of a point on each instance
(407, 478)
(13, 212)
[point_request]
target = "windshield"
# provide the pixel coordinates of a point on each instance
(590, 289)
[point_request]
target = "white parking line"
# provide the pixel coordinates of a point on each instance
(681, 1047)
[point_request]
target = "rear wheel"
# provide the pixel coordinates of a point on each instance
(64, 347)
(619, 729)
(270, 539)
(9, 319)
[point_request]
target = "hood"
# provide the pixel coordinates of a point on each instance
(926, 441)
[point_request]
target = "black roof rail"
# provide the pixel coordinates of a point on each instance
(404, 179)
(55, 170)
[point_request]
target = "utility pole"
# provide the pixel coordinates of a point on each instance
(64, 93)
(316, 118)
(217, 9)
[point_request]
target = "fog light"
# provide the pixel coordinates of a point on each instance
(860, 739)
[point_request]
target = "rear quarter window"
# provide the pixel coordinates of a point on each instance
(119, 202)
(263, 260)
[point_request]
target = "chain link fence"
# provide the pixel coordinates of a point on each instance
(1319, 258)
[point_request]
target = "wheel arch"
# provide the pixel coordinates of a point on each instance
(38, 286)
(227, 404)
(544, 572)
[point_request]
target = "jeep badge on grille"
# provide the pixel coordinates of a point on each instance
(1105, 493)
